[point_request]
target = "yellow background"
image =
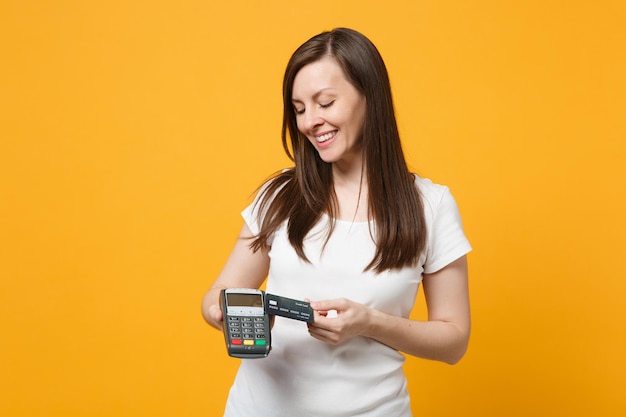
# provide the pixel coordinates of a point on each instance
(133, 133)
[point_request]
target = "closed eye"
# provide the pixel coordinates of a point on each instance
(322, 105)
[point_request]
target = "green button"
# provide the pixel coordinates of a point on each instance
(261, 342)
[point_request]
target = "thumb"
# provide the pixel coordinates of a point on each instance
(216, 312)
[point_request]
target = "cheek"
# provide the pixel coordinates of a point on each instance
(299, 126)
(359, 117)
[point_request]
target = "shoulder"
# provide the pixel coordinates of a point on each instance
(279, 178)
(273, 190)
(437, 200)
(269, 199)
(446, 238)
(274, 183)
(431, 192)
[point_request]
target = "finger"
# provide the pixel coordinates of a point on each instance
(331, 314)
(326, 305)
(323, 335)
(216, 312)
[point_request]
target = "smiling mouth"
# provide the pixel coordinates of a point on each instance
(325, 137)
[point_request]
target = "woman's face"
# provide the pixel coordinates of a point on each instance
(330, 111)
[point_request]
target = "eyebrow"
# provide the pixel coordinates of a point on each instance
(315, 96)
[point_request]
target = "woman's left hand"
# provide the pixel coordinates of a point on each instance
(336, 321)
(443, 337)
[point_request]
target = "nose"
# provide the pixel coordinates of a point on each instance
(311, 119)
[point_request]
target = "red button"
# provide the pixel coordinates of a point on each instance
(236, 341)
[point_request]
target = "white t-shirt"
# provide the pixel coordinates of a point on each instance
(303, 376)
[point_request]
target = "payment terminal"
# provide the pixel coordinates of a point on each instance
(246, 324)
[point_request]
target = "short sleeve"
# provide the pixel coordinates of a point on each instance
(251, 215)
(446, 239)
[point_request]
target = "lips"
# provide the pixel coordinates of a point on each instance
(325, 137)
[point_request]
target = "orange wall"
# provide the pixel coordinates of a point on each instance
(133, 132)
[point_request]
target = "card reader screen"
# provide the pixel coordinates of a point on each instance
(244, 300)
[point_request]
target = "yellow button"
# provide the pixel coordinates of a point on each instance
(248, 342)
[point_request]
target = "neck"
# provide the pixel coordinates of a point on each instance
(349, 174)
(351, 191)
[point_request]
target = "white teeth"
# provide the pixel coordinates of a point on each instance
(325, 137)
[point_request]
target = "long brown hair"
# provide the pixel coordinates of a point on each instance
(302, 194)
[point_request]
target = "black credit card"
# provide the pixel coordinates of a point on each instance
(287, 307)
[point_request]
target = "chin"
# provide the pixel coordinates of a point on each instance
(327, 159)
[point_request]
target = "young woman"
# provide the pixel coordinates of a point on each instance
(350, 228)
